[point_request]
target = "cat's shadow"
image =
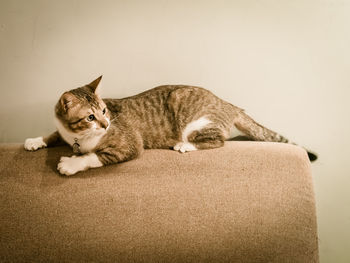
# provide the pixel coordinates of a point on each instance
(51, 177)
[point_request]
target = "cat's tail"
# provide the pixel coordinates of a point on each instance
(257, 132)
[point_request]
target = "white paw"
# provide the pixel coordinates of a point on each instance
(33, 144)
(71, 165)
(184, 147)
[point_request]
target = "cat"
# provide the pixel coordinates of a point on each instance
(178, 117)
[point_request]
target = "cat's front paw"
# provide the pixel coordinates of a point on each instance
(70, 165)
(33, 144)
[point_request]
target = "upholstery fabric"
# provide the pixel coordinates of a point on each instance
(245, 202)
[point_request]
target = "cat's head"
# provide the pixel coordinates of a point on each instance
(82, 110)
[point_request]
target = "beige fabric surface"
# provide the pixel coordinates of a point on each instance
(245, 202)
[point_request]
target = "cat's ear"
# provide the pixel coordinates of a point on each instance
(67, 101)
(94, 85)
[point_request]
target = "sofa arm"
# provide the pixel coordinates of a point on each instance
(245, 202)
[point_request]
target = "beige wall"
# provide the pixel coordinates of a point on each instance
(286, 62)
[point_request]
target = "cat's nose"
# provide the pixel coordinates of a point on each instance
(104, 124)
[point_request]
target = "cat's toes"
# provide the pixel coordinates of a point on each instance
(187, 147)
(69, 165)
(33, 144)
(184, 147)
(177, 146)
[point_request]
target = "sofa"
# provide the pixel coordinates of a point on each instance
(244, 202)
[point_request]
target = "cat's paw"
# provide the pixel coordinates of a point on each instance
(33, 144)
(184, 147)
(70, 165)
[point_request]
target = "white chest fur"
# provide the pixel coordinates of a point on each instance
(87, 141)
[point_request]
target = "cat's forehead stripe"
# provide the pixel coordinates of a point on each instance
(85, 95)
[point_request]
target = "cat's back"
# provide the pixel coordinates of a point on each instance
(154, 97)
(167, 97)
(164, 91)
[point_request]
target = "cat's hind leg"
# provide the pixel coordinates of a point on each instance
(206, 138)
(202, 133)
(185, 145)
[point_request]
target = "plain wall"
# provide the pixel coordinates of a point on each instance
(286, 62)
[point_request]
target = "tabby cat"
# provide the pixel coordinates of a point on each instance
(108, 131)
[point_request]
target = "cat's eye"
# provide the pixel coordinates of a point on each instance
(104, 111)
(91, 117)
